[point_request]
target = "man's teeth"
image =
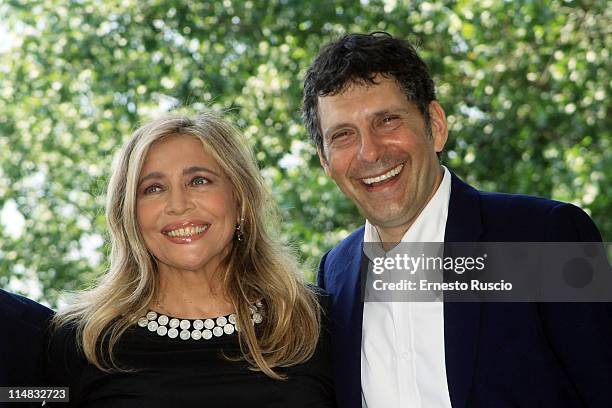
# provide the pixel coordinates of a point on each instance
(393, 172)
(187, 232)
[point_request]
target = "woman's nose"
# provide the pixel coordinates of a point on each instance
(179, 201)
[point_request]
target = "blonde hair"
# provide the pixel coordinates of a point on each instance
(257, 268)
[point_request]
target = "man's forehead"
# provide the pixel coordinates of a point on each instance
(362, 83)
(365, 99)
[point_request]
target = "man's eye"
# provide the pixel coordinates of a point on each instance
(199, 181)
(389, 119)
(340, 135)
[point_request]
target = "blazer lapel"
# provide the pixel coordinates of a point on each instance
(347, 310)
(461, 320)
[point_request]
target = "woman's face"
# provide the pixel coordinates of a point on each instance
(185, 206)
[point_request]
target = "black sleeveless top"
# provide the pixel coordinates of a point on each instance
(172, 372)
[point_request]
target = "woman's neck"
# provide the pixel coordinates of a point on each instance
(191, 295)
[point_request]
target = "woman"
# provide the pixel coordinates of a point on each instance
(200, 304)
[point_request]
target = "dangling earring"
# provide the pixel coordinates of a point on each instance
(239, 231)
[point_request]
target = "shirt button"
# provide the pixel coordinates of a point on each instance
(406, 355)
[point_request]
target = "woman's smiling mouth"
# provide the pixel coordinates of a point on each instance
(186, 232)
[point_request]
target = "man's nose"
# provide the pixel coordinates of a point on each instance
(370, 148)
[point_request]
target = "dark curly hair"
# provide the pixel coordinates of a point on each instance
(358, 58)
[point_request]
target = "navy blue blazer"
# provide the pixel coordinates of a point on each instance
(22, 340)
(497, 354)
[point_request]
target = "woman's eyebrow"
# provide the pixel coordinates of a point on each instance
(196, 169)
(188, 170)
(153, 175)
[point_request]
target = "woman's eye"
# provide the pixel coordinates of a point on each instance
(199, 181)
(152, 189)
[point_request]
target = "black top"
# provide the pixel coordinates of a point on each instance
(176, 372)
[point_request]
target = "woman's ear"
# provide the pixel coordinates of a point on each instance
(239, 214)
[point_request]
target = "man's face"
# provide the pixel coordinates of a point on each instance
(379, 151)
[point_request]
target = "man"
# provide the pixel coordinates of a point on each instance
(22, 340)
(371, 109)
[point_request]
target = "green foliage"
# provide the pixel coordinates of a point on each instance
(525, 86)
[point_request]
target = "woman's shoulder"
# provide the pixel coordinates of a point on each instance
(325, 301)
(312, 380)
(323, 297)
(63, 337)
(65, 360)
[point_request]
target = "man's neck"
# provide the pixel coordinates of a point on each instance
(390, 236)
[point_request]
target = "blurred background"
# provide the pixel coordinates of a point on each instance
(525, 85)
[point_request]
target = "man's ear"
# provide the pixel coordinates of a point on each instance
(439, 127)
(323, 161)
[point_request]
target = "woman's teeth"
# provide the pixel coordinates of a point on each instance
(187, 232)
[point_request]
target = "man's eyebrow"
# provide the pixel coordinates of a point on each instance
(189, 170)
(390, 111)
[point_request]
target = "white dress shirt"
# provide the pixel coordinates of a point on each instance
(402, 346)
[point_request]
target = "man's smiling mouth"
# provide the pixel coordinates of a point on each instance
(383, 177)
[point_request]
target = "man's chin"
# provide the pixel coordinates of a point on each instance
(385, 219)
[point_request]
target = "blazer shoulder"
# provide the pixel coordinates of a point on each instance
(23, 310)
(348, 244)
(571, 223)
(522, 217)
(346, 248)
(516, 202)
(23, 345)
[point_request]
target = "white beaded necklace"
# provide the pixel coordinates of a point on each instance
(196, 329)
